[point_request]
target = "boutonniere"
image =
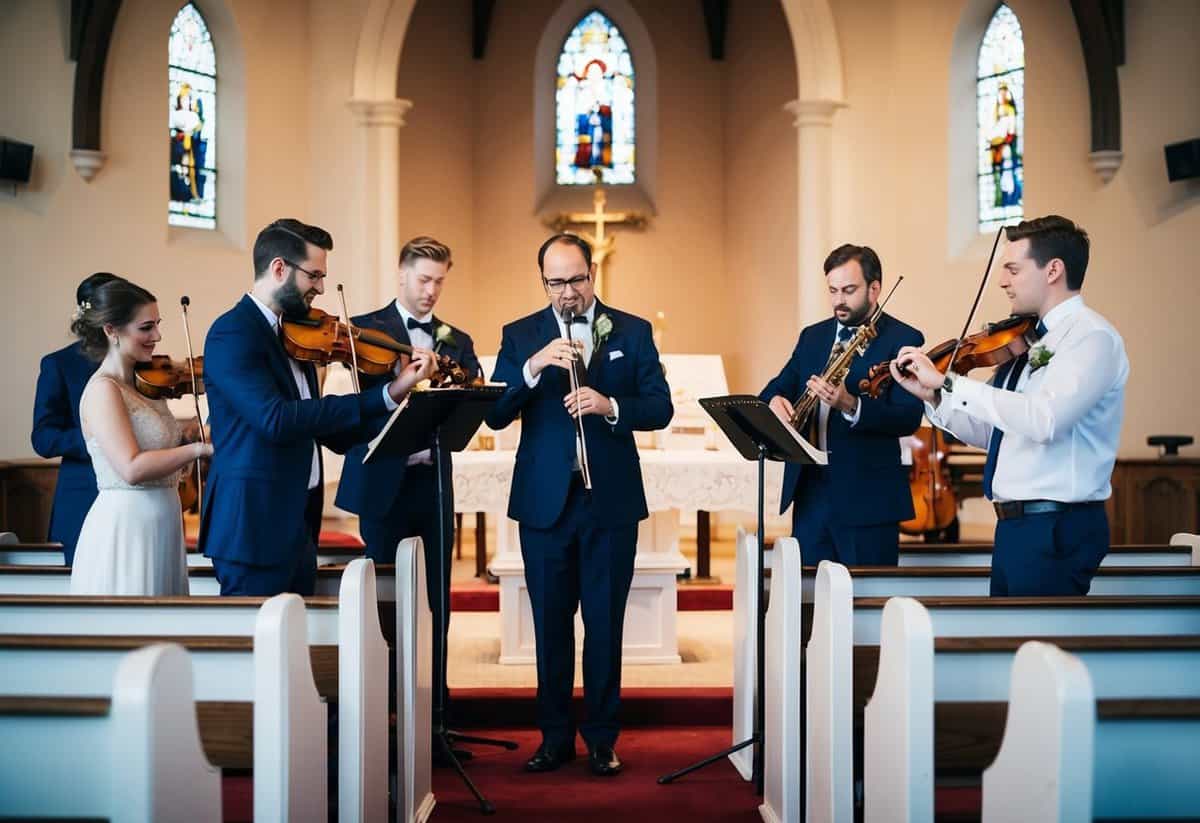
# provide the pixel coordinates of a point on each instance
(443, 335)
(601, 329)
(1039, 356)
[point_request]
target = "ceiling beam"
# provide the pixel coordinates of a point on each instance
(481, 22)
(716, 20)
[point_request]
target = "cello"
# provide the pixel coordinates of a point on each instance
(934, 504)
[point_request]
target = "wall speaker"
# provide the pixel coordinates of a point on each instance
(16, 160)
(1183, 160)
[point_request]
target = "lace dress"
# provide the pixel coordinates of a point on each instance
(132, 538)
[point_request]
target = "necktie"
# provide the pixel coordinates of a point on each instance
(845, 333)
(414, 323)
(1010, 379)
(1040, 331)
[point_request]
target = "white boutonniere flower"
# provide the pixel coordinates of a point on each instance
(601, 329)
(1039, 356)
(443, 335)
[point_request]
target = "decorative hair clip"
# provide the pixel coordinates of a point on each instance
(84, 306)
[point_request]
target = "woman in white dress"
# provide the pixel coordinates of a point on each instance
(132, 537)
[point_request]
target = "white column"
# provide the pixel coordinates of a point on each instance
(376, 245)
(814, 141)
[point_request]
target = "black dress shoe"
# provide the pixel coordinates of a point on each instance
(604, 761)
(548, 758)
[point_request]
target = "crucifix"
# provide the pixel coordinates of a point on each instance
(602, 244)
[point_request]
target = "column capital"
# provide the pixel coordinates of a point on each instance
(813, 112)
(380, 112)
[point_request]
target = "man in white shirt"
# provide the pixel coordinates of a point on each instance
(396, 497)
(1050, 419)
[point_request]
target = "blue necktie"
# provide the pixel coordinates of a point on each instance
(1013, 374)
(845, 333)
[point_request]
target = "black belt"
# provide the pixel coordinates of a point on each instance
(1013, 509)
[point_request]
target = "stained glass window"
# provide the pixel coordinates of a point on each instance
(192, 93)
(1000, 95)
(594, 104)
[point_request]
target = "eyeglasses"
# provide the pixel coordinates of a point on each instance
(556, 286)
(315, 276)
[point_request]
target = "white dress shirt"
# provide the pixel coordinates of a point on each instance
(421, 340)
(314, 476)
(1062, 424)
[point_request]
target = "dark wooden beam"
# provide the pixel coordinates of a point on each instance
(1100, 58)
(95, 35)
(79, 15)
(481, 22)
(1114, 13)
(716, 19)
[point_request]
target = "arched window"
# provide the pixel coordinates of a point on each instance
(594, 104)
(1000, 92)
(192, 104)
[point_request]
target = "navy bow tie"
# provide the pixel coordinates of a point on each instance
(580, 318)
(845, 333)
(414, 323)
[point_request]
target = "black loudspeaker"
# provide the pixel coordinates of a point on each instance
(16, 159)
(1183, 160)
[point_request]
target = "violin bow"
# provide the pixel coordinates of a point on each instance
(184, 302)
(350, 334)
(879, 308)
(987, 274)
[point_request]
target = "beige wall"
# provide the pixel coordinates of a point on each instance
(716, 257)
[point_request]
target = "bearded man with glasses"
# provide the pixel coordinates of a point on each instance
(578, 544)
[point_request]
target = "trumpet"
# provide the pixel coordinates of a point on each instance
(839, 366)
(577, 381)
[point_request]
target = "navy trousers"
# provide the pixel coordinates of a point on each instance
(414, 514)
(822, 538)
(578, 563)
(298, 574)
(1056, 553)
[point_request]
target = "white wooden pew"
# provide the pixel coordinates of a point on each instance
(16, 553)
(362, 670)
(917, 671)
(1068, 755)
(782, 716)
(133, 758)
(980, 554)
(746, 591)
(958, 617)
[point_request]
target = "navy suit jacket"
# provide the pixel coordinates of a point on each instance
(626, 367)
(869, 485)
(263, 435)
(56, 433)
(369, 490)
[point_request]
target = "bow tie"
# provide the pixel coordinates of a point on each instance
(414, 323)
(580, 318)
(845, 333)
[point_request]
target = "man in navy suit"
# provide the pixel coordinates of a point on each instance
(849, 510)
(578, 545)
(262, 506)
(396, 497)
(56, 431)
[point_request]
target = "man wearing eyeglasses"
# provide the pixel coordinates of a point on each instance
(261, 513)
(578, 544)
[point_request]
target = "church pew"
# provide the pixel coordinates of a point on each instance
(938, 704)
(746, 592)
(15, 553)
(1066, 756)
(889, 581)
(980, 554)
(133, 757)
(845, 628)
(355, 632)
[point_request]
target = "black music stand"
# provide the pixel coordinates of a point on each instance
(449, 418)
(758, 435)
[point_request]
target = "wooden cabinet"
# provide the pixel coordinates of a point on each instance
(27, 496)
(1154, 499)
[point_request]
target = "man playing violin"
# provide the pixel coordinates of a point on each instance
(1050, 419)
(849, 510)
(578, 544)
(262, 507)
(396, 497)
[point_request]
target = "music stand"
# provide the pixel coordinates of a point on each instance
(758, 435)
(450, 417)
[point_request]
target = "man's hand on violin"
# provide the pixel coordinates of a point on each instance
(782, 408)
(411, 371)
(836, 397)
(587, 401)
(559, 352)
(920, 377)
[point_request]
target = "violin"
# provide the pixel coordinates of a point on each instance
(934, 504)
(164, 378)
(997, 344)
(323, 339)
